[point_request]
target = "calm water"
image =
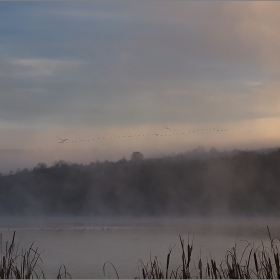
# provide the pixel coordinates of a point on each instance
(84, 245)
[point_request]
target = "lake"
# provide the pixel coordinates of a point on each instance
(83, 245)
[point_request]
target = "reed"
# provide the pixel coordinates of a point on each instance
(104, 269)
(254, 263)
(62, 273)
(154, 270)
(24, 264)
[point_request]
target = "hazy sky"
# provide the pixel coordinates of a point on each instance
(85, 70)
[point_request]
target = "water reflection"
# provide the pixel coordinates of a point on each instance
(85, 244)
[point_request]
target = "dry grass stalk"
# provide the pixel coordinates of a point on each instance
(260, 263)
(20, 266)
(24, 265)
(62, 273)
(104, 271)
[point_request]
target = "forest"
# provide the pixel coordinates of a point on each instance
(197, 183)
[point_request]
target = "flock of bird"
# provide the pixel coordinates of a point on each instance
(80, 229)
(172, 132)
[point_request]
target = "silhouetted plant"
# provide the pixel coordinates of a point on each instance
(24, 264)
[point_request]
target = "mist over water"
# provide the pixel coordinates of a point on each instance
(83, 215)
(194, 184)
(85, 244)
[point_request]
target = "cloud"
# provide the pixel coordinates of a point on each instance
(40, 67)
(114, 64)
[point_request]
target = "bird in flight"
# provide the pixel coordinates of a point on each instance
(62, 140)
(166, 127)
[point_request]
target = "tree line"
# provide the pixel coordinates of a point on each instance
(187, 184)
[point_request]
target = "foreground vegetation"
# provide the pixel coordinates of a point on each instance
(254, 263)
(23, 264)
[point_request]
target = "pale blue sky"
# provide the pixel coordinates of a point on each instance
(79, 69)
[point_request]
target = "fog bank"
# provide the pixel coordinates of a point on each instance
(198, 183)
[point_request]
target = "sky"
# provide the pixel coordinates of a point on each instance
(157, 77)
